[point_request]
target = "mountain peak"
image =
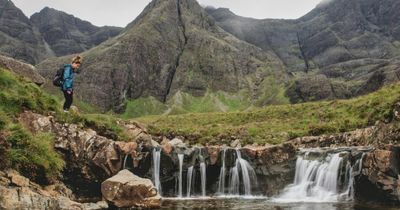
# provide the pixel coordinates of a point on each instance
(174, 47)
(67, 34)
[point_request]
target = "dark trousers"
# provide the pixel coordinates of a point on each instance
(68, 100)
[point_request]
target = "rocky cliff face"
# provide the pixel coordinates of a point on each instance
(18, 37)
(173, 46)
(353, 41)
(46, 34)
(66, 34)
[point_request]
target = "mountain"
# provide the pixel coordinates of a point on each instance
(46, 34)
(347, 47)
(67, 34)
(18, 37)
(172, 52)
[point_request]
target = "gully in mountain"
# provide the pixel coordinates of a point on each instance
(68, 81)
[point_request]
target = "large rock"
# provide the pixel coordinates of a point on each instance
(26, 70)
(128, 190)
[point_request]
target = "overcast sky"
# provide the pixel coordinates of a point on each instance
(122, 12)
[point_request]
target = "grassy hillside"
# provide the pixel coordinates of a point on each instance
(33, 154)
(275, 124)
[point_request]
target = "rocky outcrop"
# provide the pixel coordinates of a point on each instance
(274, 166)
(17, 192)
(380, 176)
(128, 190)
(66, 34)
(92, 158)
(26, 70)
(183, 38)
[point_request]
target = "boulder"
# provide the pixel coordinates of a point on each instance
(126, 190)
(26, 70)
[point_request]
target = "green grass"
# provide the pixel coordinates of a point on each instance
(183, 103)
(278, 123)
(33, 154)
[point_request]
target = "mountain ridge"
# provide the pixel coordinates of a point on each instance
(351, 45)
(33, 39)
(174, 47)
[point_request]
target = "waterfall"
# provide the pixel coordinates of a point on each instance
(242, 169)
(319, 180)
(203, 178)
(125, 159)
(189, 181)
(156, 169)
(221, 183)
(180, 157)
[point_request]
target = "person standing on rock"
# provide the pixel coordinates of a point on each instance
(68, 81)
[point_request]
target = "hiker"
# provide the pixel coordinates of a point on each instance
(68, 81)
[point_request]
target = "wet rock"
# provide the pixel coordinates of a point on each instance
(128, 190)
(380, 174)
(177, 143)
(213, 153)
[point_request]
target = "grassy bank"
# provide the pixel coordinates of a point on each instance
(33, 154)
(275, 124)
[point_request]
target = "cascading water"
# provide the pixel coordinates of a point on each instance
(242, 169)
(221, 183)
(156, 169)
(189, 181)
(203, 178)
(180, 157)
(320, 180)
(124, 164)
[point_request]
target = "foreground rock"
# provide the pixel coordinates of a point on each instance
(17, 192)
(128, 190)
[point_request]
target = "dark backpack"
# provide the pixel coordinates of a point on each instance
(58, 80)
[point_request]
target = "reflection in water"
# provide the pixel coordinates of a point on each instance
(257, 204)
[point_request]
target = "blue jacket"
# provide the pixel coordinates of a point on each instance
(68, 77)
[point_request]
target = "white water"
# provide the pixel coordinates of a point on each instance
(124, 165)
(156, 169)
(180, 157)
(221, 183)
(203, 178)
(317, 181)
(189, 181)
(243, 170)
